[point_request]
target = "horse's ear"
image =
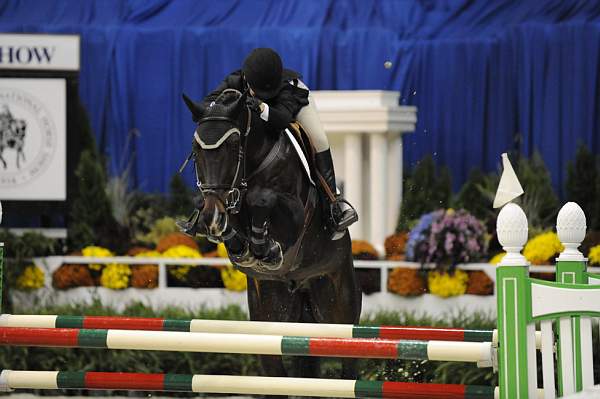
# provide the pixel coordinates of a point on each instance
(197, 109)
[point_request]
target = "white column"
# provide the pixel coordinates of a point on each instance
(378, 152)
(394, 180)
(353, 179)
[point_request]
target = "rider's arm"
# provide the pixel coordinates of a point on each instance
(279, 117)
(232, 81)
(278, 113)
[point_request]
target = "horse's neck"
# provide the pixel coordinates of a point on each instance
(259, 144)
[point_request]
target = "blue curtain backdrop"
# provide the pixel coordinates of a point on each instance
(480, 71)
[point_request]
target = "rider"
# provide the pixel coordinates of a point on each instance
(280, 97)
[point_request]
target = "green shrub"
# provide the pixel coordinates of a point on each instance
(425, 189)
(180, 198)
(581, 185)
(472, 196)
(91, 219)
(539, 202)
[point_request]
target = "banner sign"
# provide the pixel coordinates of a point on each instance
(39, 52)
(33, 139)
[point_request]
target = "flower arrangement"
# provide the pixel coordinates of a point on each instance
(96, 252)
(497, 258)
(406, 282)
(115, 276)
(175, 239)
(222, 251)
(417, 246)
(445, 284)
(234, 280)
(363, 250)
(543, 248)
(455, 237)
(479, 283)
(32, 278)
(395, 246)
(181, 251)
(594, 256)
(145, 276)
(68, 276)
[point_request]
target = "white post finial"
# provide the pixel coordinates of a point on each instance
(571, 226)
(512, 229)
(509, 187)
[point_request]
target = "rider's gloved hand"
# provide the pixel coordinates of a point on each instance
(254, 104)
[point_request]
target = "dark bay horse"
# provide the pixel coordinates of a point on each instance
(258, 200)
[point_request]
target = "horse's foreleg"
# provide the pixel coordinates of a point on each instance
(267, 250)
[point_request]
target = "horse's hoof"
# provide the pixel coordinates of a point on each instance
(245, 259)
(274, 258)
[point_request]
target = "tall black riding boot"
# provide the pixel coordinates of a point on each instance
(342, 213)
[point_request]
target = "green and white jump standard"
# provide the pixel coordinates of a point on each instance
(523, 301)
(238, 385)
(480, 352)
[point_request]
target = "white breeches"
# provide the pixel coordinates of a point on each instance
(308, 117)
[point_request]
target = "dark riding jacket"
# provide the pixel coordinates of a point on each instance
(283, 108)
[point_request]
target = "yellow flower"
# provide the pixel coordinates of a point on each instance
(180, 251)
(594, 256)
(149, 254)
(115, 276)
(234, 280)
(445, 285)
(32, 278)
(497, 258)
(96, 252)
(542, 248)
(222, 251)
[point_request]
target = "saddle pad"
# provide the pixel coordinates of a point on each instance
(300, 155)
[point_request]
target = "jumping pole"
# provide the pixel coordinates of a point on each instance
(248, 327)
(246, 385)
(480, 352)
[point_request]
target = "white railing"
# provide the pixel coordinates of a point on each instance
(51, 263)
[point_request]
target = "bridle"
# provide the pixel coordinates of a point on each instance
(238, 187)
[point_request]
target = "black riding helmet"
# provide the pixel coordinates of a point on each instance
(263, 71)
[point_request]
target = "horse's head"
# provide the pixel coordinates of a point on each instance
(217, 149)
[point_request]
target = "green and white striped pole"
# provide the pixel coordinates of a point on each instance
(511, 286)
(571, 269)
(316, 330)
(479, 352)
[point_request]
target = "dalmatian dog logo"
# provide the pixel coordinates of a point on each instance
(12, 135)
(28, 137)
